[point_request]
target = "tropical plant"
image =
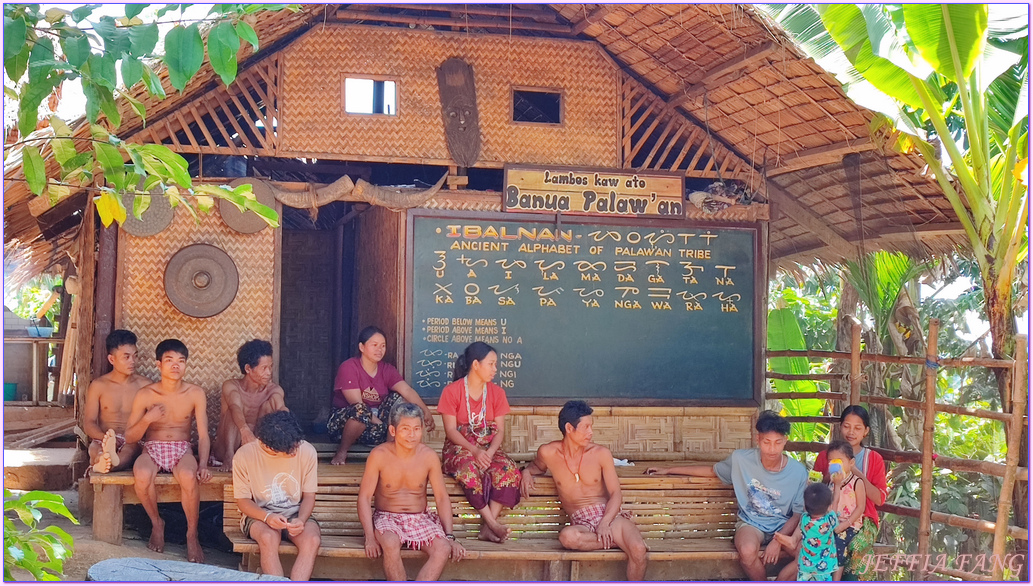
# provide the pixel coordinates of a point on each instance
(784, 333)
(44, 48)
(41, 552)
(954, 81)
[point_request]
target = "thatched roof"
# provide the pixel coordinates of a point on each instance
(721, 66)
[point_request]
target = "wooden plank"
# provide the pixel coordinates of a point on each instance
(107, 518)
(809, 220)
(823, 155)
(42, 435)
(750, 57)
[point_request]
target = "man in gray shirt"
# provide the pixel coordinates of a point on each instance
(769, 488)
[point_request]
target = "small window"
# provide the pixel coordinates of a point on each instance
(538, 106)
(370, 96)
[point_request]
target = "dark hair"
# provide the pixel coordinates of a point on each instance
(771, 421)
(251, 352)
(170, 345)
(858, 411)
(279, 431)
(118, 338)
(816, 499)
(476, 351)
(368, 332)
(841, 446)
(571, 413)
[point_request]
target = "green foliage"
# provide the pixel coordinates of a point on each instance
(879, 280)
(957, 75)
(44, 49)
(41, 552)
(784, 333)
(29, 299)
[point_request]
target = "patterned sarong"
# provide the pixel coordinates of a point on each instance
(120, 441)
(499, 483)
(413, 529)
(374, 434)
(166, 454)
(591, 515)
(859, 564)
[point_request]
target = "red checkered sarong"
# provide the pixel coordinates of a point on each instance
(166, 454)
(120, 441)
(591, 515)
(414, 529)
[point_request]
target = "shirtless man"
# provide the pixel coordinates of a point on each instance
(109, 399)
(589, 490)
(161, 416)
(244, 400)
(395, 483)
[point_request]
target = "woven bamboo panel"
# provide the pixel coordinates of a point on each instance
(639, 437)
(752, 213)
(314, 121)
(213, 341)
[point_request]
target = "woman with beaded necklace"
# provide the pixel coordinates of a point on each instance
(473, 410)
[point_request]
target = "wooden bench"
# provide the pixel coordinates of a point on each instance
(113, 490)
(688, 524)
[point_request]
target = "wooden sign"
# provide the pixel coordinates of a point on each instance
(593, 192)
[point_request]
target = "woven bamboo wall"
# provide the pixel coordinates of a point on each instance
(213, 341)
(379, 283)
(314, 121)
(636, 433)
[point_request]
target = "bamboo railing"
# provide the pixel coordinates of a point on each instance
(1014, 421)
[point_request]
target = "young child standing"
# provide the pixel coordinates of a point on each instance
(851, 502)
(815, 537)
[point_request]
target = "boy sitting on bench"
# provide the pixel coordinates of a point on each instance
(161, 416)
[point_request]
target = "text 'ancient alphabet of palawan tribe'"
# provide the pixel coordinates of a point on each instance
(593, 192)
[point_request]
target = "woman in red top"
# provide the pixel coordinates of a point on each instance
(365, 390)
(473, 410)
(869, 467)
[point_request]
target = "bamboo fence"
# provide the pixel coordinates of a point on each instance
(1014, 422)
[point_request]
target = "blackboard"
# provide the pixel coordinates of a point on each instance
(645, 313)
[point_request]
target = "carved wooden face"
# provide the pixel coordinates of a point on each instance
(459, 111)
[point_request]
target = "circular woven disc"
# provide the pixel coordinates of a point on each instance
(247, 222)
(157, 217)
(201, 280)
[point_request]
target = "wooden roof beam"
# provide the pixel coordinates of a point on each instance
(345, 14)
(594, 17)
(752, 56)
(806, 218)
(818, 156)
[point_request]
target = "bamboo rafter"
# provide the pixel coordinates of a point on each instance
(650, 126)
(236, 120)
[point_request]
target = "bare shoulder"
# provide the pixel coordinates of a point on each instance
(231, 386)
(194, 392)
(599, 452)
(377, 454)
(425, 454)
(140, 381)
(549, 450)
(276, 389)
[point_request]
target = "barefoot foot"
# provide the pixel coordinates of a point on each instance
(339, 458)
(500, 530)
(103, 464)
(108, 444)
(157, 542)
(194, 552)
(486, 534)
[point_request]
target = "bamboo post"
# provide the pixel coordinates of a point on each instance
(855, 361)
(928, 423)
(1018, 408)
